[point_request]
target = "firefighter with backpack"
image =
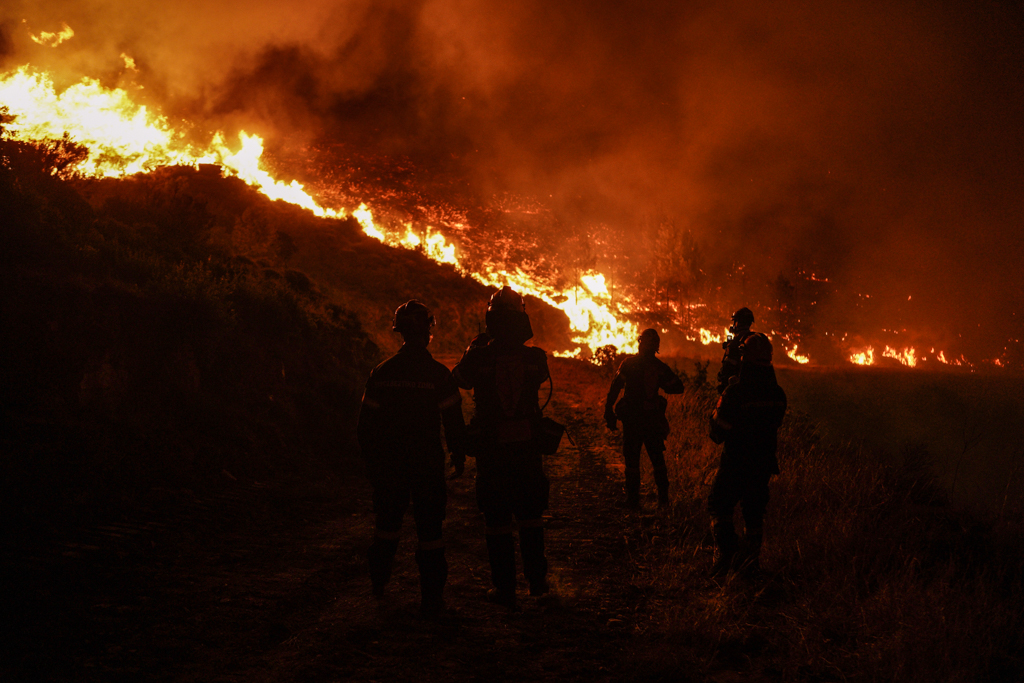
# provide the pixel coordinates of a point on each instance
(506, 437)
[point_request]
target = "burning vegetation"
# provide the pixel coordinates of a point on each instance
(609, 276)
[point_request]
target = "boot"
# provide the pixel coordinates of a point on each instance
(633, 487)
(501, 551)
(433, 575)
(535, 565)
(726, 542)
(661, 479)
(381, 556)
(748, 557)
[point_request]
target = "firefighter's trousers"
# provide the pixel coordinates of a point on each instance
(635, 436)
(735, 484)
(391, 498)
(512, 491)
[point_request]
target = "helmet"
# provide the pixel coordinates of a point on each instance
(507, 299)
(743, 318)
(650, 338)
(756, 349)
(412, 317)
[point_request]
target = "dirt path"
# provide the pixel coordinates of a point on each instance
(268, 583)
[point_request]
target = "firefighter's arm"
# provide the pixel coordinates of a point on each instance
(454, 427)
(613, 395)
(719, 424)
(368, 430)
(669, 381)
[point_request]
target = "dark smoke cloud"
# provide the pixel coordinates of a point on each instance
(878, 143)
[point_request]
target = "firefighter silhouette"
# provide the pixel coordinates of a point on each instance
(407, 399)
(642, 411)
(746, 420)
(511, 487)
(738, 333)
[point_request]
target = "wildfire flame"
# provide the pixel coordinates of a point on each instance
(124, 137)
(864, 357)
(798, 357)
(907, 356)
(54, 39)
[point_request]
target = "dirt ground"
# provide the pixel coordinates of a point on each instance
(268, 582)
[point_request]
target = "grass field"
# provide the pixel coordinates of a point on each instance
(871, 572)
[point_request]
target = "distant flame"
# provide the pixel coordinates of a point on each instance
(797, 357)
(54, 39)
(907, 356)
(707, 337)
(865, 357)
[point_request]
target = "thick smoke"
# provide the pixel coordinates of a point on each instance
(878, 144)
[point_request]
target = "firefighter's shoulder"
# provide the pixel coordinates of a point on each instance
(535, 354)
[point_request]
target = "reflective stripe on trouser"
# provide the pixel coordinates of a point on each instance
(501, 551)
(433, 575)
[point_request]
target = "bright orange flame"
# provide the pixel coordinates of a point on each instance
(798, 357)
(907, 356)
(707, 337)
(124, 138)
(865, 357)
(54, 39)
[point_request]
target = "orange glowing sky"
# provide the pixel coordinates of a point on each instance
(879, 143)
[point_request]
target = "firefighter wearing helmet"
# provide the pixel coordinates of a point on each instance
(738, 333)
(642, 411)
(407, 399)
(511, 487)
(746, 421)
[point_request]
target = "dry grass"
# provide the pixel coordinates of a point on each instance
(869, 572)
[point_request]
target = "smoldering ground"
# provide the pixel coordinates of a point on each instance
(875, 143)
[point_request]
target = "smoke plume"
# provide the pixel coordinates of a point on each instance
(876, 144)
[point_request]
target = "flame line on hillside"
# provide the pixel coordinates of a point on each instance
(123, 138)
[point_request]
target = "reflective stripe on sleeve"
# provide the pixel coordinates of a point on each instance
(453, 400)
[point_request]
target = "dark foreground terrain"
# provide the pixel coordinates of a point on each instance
(267, 581)
(866, 574)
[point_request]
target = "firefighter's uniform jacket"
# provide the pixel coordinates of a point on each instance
(407, 398)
